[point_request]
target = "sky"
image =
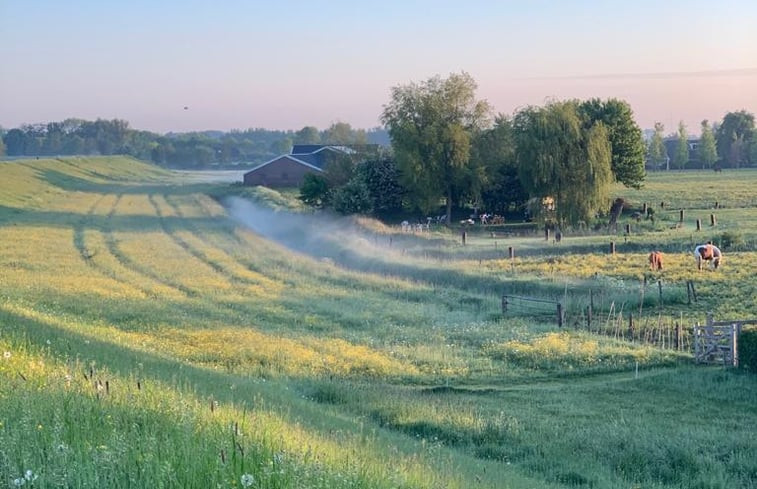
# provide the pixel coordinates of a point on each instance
(285, 64)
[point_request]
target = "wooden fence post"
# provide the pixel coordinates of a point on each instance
(464, 235)
(630, 326)
(735, 345)
(510, 252)
(546, 234)
(688, 292)
(628, 229)
(612, 247)
(504, 303)
(699, 224)
(681, 218)
(559, 315)
(588, 317)
(713, 221)
(659, 287)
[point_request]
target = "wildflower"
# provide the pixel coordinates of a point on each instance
(48, 342)
(7, 354)
(19, 482)
(30, 476)
(247, 480)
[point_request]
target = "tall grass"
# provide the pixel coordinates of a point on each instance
(155, 341)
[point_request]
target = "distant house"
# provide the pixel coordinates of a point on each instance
(671, 146)
(289, 170)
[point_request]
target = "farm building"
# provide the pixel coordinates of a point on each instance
(289, 170)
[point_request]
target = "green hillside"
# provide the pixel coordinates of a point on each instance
(159, 332)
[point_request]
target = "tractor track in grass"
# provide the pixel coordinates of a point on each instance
(132, 265)
(218, 267)
(79, 240)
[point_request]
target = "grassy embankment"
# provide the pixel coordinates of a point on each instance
(153, 341)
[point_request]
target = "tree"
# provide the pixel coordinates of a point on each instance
(708, 151)
(752, 153)
(681, 156)
(314, 190)
(561, 161)
(342, 133)
(339, 168)
(281, 146)
(353, 198)
(15, 142)
(734, 137)
(381, 178)
(307, 135)
(431, 125)
(626, 141)
(656, 150)
(494, 152)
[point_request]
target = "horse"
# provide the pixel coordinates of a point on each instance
(708, 253)
(655, 260)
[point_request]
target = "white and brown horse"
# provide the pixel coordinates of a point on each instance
(708, 253)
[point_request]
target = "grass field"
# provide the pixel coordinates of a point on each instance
(159, 331)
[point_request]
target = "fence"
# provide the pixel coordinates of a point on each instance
(533, 306)
(593, 314)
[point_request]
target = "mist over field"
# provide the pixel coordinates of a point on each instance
(320, 235)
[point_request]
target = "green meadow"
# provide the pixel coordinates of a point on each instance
(158, 331)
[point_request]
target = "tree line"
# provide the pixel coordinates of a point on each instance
(556, 161)
(195, 150)
(447, 148)
(731, 143)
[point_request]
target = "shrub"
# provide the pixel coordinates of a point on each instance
(748, 349)
(731, 240)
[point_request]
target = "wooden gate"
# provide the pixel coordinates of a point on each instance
(717, 344)
(718, 341)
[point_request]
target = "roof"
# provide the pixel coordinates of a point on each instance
(299, 149)
(296, 159)
(313, 156)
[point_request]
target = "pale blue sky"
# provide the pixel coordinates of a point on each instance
(286, 64)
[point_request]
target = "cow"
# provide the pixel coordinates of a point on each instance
(708, 253)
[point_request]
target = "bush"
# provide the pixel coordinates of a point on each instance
(748, 349)
(731, 240)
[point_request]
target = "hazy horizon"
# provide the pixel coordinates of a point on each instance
(240, 65)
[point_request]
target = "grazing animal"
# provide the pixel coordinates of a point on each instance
(708, 253)
(655, 260)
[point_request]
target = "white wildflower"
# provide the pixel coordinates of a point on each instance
(19, 482)
(247, 480)
(29, 475)
(7, 354)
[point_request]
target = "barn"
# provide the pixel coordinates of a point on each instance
(289, 170)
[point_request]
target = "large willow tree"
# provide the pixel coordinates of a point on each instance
(564, 157)
(431, 125)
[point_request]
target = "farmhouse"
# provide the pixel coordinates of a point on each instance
(290, 169)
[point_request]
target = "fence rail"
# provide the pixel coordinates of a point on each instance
(533, 304)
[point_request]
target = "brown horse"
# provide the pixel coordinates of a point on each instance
(655, 260)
